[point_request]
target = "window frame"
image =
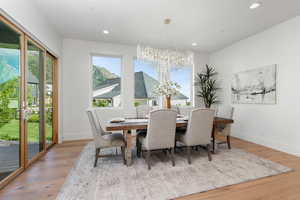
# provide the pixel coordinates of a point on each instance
(192, 97)
(121, 57)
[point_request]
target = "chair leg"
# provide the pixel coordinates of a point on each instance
(96, 156)
(148, 159)
(228, 142)
(123, 154)
(172, 156)
(165, 151)
(138, 148)
(208, 152)
(213, 143)
(189, 154)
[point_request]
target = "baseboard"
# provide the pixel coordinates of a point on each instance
(287, 148)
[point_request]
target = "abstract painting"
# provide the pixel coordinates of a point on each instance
(257, 86)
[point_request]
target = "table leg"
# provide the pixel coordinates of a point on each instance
(128, 154)
(213, 139)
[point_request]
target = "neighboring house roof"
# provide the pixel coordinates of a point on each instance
(144, 85)
(108, 83)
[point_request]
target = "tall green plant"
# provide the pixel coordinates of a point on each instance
(207, 86)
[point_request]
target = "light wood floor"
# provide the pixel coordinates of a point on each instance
(43, 180)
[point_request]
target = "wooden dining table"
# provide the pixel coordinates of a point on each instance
(131, 124)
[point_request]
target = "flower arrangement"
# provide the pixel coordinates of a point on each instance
(168, 89)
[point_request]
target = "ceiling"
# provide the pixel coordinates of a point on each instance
(212, 24)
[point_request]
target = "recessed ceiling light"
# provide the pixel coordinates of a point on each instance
(105, 32)
(255, 5)
(194, 44)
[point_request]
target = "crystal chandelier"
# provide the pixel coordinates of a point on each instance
(165, 57)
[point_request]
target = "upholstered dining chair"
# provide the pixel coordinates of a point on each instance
(224, 129)
(198, 131)
(186, 110)
(160, 134)
(142, 111)
(176, 109)
(104, 139)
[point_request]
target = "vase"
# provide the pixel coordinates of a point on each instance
(168, 102)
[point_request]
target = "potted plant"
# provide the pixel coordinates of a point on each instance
(167, 89)
(207, 86)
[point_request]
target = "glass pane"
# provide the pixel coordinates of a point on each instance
(182, 76)
(49, 99)
(145, 80)
(35, 62)
(10, 76)
(106, 81)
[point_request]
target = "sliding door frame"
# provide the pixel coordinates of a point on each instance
(24, 162)
(14, 174)
(42, 80)
(54, 101)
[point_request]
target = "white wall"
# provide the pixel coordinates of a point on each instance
(26, 14)
(276, 126)
(77, 84)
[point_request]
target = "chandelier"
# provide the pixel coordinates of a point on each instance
(165, 57)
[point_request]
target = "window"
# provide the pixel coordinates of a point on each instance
(182, 76)
(106, 75)
(145, 80)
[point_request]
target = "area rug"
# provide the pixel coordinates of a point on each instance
(111, 180)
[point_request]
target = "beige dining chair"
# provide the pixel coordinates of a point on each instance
(104, 139)
(224, 129)
(175, 108)
(142, 111)
(198, 131)
(186, 110)
(160, 134)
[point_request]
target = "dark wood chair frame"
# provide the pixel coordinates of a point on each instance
(196, 148)
(169, 151)
(226, 142)
(97, 155)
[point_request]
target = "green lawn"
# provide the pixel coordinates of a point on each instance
(10, 131)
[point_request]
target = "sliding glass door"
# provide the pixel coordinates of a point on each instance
(28, 101)
(34, 74)
(49, 107)
(10, 100)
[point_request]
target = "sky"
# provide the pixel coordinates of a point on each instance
(180, 75)
(11, 57)
(113, 64)
(183, 76)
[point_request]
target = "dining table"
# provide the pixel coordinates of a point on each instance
(129, 124)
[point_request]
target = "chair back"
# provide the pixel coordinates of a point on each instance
(225, 112)
(107, 113)
(95, 125)
(161, 129)
(199, 127)
(175, 108)
(186, 111)
(142, 111)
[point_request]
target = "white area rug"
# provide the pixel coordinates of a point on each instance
(111, 180)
